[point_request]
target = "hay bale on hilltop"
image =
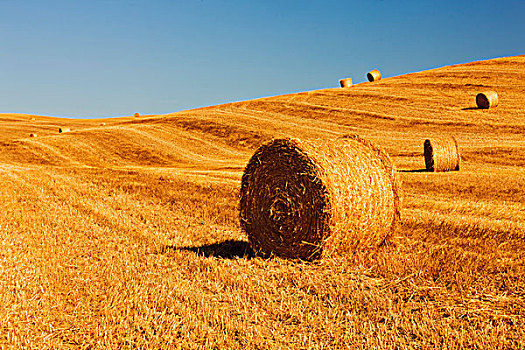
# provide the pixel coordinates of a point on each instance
(487, 99)
(373, 75)
(137, 115)
(441, 154)
(305, 200)
(62, 130)
(346, 82)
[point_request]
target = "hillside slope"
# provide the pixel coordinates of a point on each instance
(126, 233)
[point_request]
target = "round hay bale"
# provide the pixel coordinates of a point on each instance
(137, 115)
(102, 124)
(487, 99)
(441, 154)
(62, 130)
(373, 75)
(309, 199)
(346, 82)
(33, 135)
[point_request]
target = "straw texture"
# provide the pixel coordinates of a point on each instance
(487, 99)
(441, 154)
(309, 199)
(346, 82)
(373, 75)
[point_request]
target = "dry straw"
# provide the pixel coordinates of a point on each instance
(137, 115)
(373, 75)
(62, 130)
(487, 99)
(441, 154)
(346, 82)
(305, 200)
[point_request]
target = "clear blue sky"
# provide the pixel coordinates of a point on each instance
(111, 58)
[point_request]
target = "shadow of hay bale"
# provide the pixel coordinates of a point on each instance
(414, 171)
(230, 249)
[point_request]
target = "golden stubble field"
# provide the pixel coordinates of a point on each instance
(126, 235)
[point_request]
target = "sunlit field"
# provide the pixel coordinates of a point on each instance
(124, 232)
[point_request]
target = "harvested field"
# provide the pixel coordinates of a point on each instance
(127, 235)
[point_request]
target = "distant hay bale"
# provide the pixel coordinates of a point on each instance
(441, 154)
(62, 130)
(487, 99)
(33, 135)
(373, 75)
(137, 115)
(102, 124)
(346, 82)
(309, 199)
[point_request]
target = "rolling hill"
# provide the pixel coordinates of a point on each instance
(124, 233)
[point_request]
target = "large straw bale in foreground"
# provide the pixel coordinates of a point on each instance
(441, 154)
(373, 75)
(487, 99)
(305, 200)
